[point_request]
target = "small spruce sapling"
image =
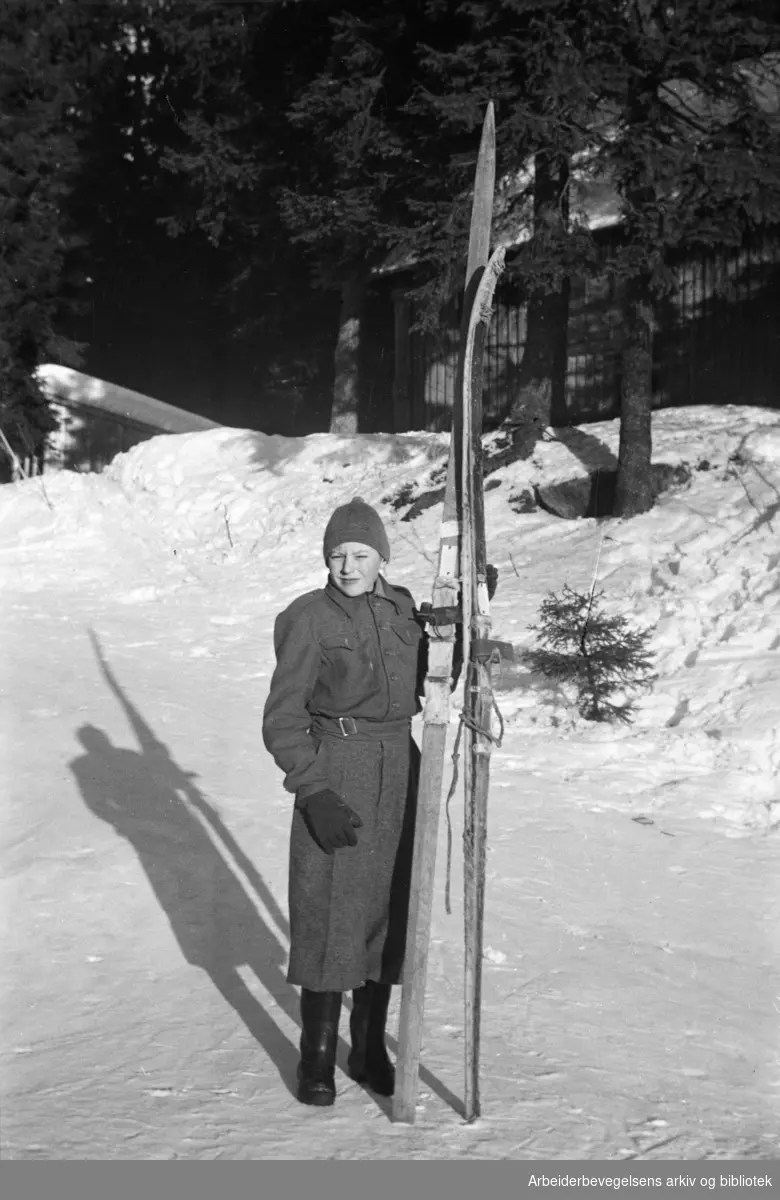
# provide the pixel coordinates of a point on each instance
(600, 654)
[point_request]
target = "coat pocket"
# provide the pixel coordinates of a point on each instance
(338, 651)
(409, 634)
(340, 682)
(410, 648)
(337, 641)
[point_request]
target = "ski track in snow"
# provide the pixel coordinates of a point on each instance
(631, 990)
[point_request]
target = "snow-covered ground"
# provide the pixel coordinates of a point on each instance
(631, 975)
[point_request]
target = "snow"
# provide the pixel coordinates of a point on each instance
(631, 985)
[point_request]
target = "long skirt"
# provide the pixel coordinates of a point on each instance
(348, 910)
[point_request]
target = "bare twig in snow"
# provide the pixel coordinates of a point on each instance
(766, 515)
(45, 493)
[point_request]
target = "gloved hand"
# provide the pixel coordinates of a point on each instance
(492, 580)
(330, 821)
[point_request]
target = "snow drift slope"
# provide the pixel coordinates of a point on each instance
(631, 946)
(242, 515)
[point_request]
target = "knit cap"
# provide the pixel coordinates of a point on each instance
(356, 522)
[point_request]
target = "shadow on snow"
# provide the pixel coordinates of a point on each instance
(155, 805)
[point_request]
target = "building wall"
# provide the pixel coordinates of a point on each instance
(87, 440)
(718, 342)
(96, 420)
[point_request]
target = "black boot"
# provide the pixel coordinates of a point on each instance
(368, 1061)
(320, 1012)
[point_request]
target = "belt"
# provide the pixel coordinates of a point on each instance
(351, 727)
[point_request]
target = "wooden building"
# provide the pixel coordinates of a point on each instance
(718, 342)
(97, 420)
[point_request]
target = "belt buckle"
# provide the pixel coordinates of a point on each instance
(341, 721)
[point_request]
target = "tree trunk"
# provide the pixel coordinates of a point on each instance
(402, 399)
(346, 384)
(633, 490)
(539, 398)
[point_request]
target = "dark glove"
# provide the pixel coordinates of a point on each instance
(492, 580)
(330, 821)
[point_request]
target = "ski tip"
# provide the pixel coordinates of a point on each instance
(487, 145)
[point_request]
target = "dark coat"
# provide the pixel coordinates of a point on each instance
(339, 656)
(361, 657)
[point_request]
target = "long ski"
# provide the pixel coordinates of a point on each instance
(440, 662)
(479, 657)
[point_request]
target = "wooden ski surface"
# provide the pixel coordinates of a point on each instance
(440, 658)
(478, 691)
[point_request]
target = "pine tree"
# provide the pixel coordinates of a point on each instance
(600, 654)
(311, 138)
(354, 124)
(693, 151)
(521, 54)
(146, 288)
(46, 59)
(335, 203)
(286, 153)
(660, 103)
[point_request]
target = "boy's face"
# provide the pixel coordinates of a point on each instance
(354, 568)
